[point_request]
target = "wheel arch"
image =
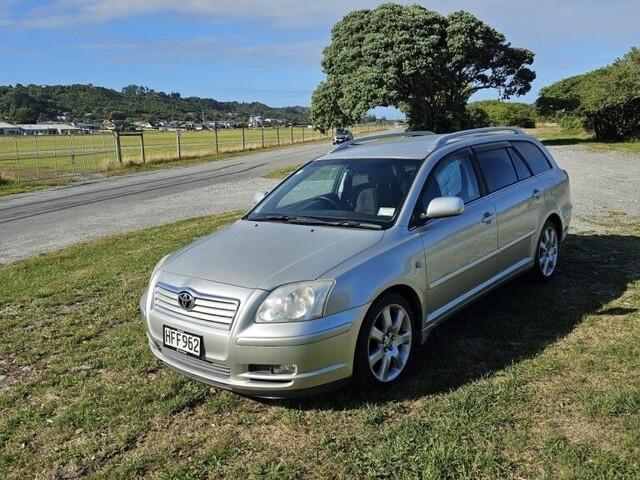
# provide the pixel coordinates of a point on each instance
(557, 222)
(412, 297)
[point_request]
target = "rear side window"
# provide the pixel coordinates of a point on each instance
(453, 176)
(534, 156)
(521, 168)
(497, 168)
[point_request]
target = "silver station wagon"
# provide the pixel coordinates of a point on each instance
(343, 269)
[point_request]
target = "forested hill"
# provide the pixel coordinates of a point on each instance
(32, 103)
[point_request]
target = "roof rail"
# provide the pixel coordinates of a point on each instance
(444, 139)
(357, 141)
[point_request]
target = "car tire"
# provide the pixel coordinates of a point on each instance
(547, 253)
(386, 344)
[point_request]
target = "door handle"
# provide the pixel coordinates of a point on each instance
(536, 193)
(487, 218)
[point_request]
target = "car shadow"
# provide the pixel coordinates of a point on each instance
(515, 322)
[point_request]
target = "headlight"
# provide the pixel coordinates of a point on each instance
(295, 302)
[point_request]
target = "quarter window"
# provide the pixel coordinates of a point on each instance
(497, 168)
(454, 176)
(534, 156)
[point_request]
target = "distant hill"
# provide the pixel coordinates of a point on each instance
(84, 103)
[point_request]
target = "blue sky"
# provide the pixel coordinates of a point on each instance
(268, 51)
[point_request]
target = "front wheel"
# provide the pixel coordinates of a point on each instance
(386, 342)
(547, 252)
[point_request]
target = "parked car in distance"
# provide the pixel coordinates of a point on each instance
(342, 136)
(342, 271)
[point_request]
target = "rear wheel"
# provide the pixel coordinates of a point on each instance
(547, 252)
(386, 342)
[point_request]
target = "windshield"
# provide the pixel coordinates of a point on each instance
(365, 193)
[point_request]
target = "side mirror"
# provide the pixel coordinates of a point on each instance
(259, 196)
(441, 207)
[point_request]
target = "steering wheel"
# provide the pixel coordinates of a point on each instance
(332, 201)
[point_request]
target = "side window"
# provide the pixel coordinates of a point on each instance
(534, 156)
(497, 168)
(453, 176)
(521, 168)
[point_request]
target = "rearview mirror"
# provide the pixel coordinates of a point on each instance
(441, 207)
(259, 196)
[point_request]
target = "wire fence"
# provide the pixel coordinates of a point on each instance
(39, 157)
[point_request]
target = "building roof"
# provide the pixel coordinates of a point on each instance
(7, 125)
(47, 126)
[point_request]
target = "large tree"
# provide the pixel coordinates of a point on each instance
(416, 59)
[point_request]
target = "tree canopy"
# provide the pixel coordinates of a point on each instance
(30, 103)
(418, 60)
(605, 101)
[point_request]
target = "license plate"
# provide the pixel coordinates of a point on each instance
(182, 341)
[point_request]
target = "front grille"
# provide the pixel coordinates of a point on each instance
(203, 367)
(218, 310)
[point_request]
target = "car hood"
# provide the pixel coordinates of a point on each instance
(265, 255)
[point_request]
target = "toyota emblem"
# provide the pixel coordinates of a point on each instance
(186, 300)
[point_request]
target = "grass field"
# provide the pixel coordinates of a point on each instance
(534, 381)
(40, 157)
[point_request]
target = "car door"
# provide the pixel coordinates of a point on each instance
(517, 197)
(460, 250)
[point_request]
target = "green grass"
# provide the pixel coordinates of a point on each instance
(534, 381)
(9, 187)
(554, 135)
(282, 172)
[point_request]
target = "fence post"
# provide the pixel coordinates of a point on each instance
(178, 146)
(217, 146)
(35, 137)
(302, 128)
(243, 139)
(17, 161)
(93, 153)
(144, 160)
(116, 137)
(104, 152)
(291, 133)
(262, 132)
(278, 134)
(55, 156)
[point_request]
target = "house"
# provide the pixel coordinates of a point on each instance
(255, 121)
(48, 129)
(9, 129)
(89, 127)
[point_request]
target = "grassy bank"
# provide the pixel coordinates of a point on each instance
(553, 135)
(534, 381)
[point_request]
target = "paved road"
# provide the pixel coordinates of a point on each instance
(42, 221)
(36, 222)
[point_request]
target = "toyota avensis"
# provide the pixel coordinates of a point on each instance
(345, 267)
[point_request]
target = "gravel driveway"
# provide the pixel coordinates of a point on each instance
(601, 184)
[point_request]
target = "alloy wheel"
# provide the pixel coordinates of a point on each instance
(548, 251)
(390, 341)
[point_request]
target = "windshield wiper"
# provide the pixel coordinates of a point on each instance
(300, 220)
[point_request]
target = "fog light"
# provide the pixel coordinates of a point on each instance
(285, 369)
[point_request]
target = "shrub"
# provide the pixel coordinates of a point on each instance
(605, 101)
(494, 113)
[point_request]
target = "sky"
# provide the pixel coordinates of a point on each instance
(269, 50)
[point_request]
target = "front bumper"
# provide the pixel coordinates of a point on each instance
(321, 349)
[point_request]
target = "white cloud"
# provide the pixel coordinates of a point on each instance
(548, 20)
